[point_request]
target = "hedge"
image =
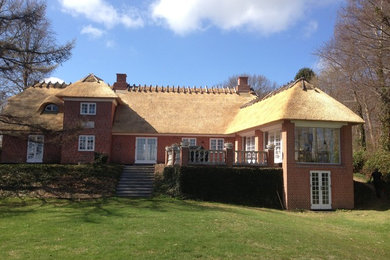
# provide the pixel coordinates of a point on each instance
(248, 186)
(59, 180)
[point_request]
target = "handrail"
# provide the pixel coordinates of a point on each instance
(250, 158)
(208, 157)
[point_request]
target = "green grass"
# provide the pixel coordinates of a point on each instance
(165, 228)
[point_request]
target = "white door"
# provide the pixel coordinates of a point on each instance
(35, 148)
(275, 138)
(320, 188)
(146, 150)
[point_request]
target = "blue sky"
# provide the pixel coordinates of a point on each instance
(190, 42)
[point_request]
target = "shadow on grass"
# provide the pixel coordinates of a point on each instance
(365, 198)
(94, 210)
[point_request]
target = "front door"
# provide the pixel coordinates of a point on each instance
(320, 190)
(146, 150)
(35, 148)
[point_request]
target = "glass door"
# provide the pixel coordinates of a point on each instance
(146, 150)
(320, 190)
(35, 148)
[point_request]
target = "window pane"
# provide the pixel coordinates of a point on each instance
(84, 108)
(317, 144)
(92, 109)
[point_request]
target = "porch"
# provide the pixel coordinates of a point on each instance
(184, 155)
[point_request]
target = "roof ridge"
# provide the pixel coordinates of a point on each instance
(183, 89)
(276, 91)
(50, 85)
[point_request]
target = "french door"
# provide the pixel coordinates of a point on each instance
(320, 189)
(35, 148)
(146, 150)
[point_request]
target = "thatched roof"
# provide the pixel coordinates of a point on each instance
(297, 101)
(177, 110)
(88, 87)
(24, 110)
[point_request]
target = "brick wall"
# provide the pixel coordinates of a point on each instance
(123, 146)
(15, 149)
(296, 176)
(102, 130)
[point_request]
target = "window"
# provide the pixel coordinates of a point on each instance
(86, 143)
(191, 141)
(88, 108)
(274, 138)
(216, 144)
(317, 145)
(51, 108)
(250, 143)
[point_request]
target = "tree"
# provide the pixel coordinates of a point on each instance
(260, 84)
(305, 73)
(360, 50)
(28, 49)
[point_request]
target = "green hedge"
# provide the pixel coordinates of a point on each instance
(248, 186)
(59, 179)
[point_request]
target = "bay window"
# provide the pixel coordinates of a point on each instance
(317, 145)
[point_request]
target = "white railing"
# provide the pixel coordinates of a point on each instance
(201, 156)
(250, 158)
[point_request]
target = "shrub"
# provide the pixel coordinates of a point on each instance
(59, 179)
(359, 159)
(100, 158)
(248, 186)
(380, 160)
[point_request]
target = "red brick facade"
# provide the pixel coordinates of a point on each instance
(123, 146)
(102, 130)
(296, 176)
(15, 149)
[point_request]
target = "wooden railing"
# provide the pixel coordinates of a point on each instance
(250, 158)
(184, 155)
(201, 156)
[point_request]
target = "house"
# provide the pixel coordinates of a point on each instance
(308, 132)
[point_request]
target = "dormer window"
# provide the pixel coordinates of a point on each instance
(88, 108)
(51, 108)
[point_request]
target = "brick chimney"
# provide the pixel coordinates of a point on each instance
(242, 85)
(120, 83)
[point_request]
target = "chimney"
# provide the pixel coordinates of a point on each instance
(120, 83)
(242, 85)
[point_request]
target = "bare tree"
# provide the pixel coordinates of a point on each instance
(28, 49)
(260, 84)
(360, 51)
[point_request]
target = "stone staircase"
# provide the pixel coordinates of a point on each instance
(136, 181)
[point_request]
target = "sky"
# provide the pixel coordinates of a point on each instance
(190, 42)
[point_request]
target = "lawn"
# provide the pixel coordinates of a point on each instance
(166, 228)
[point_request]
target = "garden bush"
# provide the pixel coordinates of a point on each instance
(59, 180)
(359, 159)
(248, 186)
(380, 160)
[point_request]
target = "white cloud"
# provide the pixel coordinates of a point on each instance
(264, 16)
(53, 80)
(92, 31)
(99, 11)
(310, 28)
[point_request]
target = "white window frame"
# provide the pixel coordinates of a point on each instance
(86, 143)
(216, 143)
(188, 139)
(274, 132)
(89, 105)
(32, 139)
(321, 206)
(136, 151)
(51, 108)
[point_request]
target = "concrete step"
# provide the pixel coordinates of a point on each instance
(136, 181)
